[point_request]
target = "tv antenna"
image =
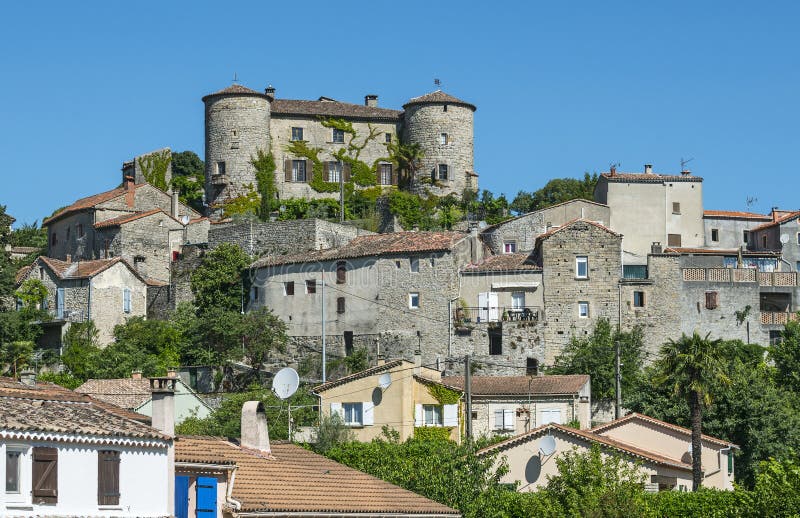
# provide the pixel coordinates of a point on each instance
(750, 201)
(684, 162)
(235, 78)
(437, 82)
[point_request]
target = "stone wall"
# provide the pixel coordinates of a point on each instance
(730, 231)
(181, 270)
(107, 294)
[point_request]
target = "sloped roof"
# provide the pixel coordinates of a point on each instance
(373, 245)
(490, 228)
(521, 385)
(504, 263)
(235, 89)
(127, 218)
(90, 202)
(779, 221)
(618, 446)
(358, 375)
(84, 269)
(127, 393)
(633, 416)
(45, 407)
(732, 214)
(332, 108)
(22, 273)
(568, 224)
(649, 178)
(293, 479)
(438, 97)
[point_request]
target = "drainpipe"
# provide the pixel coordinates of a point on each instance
(228, 498)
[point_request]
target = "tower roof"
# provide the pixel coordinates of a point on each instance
(438, 97)
(235, 89)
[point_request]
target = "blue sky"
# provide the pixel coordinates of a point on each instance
(561, 87)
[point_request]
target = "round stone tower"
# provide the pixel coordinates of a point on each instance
(237, 126)
(442, 125)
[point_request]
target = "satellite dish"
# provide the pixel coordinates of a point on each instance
(185, 220)
(384, 381)
(548, 445)
(784, 238)
(285, 382)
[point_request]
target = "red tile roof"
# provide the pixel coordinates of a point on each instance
(657, 422)
(612, 444)
(372, 246)
(333, 109)
(779, 221)
(718, 251)
(649, 178)
(358, 375)
(84, 269)
(22, 273)
(732, 214)
(504, 263)
(90, 202)
(568, 224)
(127, 218)
(438, 97)
(521, 385)
(292, 479)
(235, 89)
(127, 393)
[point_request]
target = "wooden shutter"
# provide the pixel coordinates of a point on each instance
(326, 174)
(287, 170)
(341, 272)
(712, 299)
(346, 171)
(395, 175)
(206, 497)
(290, 288)
(336, 409)
(340, 305)
(45, 475)
(181, 496)
(309, 171)
(107, 477)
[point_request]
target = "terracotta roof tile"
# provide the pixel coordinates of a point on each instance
(718, 251)
(127, 393)
(235, 89)
(89, 202)
(732, 214)
(504, 263)
(126, 218)
(649, 178)
(84, 269)
(590, 437)
(373, 245)
(633, 416)
(332, 109)
(358, 375)
(293, 479)
(517, 385)
(438, 97)
(779, 221)
(22, 273)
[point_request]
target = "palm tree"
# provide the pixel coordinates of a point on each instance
(692, 365)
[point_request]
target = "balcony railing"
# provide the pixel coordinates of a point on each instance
(777, 317)
(740, 275)
(477, 314)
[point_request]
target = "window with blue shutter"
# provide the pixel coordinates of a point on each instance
(126, 300)
(60, 303)
(206, 497)
(181, 496)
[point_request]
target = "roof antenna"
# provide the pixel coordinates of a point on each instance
(684, 162)
(235, 78)
(438, 83)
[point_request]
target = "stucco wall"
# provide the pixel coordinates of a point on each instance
(107, 292)
(731, 231)
(485, 406)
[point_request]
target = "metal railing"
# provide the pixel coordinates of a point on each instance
(739, 275)
(477, 314)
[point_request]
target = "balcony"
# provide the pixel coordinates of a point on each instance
(491, 314)
(777, 317)
(219, 179)
(739, 275)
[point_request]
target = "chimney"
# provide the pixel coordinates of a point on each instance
(69, 258)
(775, 214)
(613, 170)
(381, 360)
(656, 248)
(648, 169)
(255, 433)
(130, 191)
(173, 206)
(371, 100)
(127, 182)
(136, 375)
(172, 372)
(163, 392)
(686, 172)
(27, 377)
(270, 91)
(417, 362)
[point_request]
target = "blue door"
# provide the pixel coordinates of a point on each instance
(181, 496)
(206, 497)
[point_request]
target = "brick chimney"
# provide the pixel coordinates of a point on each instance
(417, 362)
(612, 170)
(69, 258)
(686, 172)
(130, 191)
(371, 100)
(255, 433)
(136, 375)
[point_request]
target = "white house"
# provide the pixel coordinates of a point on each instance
(69, 455)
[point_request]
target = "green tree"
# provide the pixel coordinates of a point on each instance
(219, 282)
(188, 177)
(264, 164)
(331, 432)
(557, 190)
(32, 293)
(595, 355)
(81, 354)
(786, 355)
(262, 334)
(147, 345)
(6, 268)
(691, 366)
(17, 355)
(18, 326)
(29, 234)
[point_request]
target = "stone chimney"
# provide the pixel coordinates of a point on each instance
(172, 372)
(612, 170)
(417, 362)
(270, 91)
(381, 360)
(255, 433)
(173, 206)
(656, 248)
(686, 172)
(163, 392)
(648, 169)
(136, 375)
(371, 100)
(27, 377)
(69, 258)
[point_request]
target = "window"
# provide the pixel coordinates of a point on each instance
(53, 239)
(583, 309)
(13, 471)
(509, 247)
(443, 172)
(340, 305)
(443, 139)
(79, 229)
(311, 286)
(638, 299)
(341, 272)
(518, 300)
(288, 288)
(387, 137)
(220, 167)
(60, 303)
(334, 171)
(504, 419)
(676, 207)
(414, 261)
(353, 413)
(107, 477)
(712, 299)
(797, 266)
(432, 415)
(385, 174)
(298, 170)
(126, 300)
(444, 109)
(798, 238)
(764, 241)
(297, 133)
(582, 267)
(41, 273)
(746, 237)
(45, 475)
(531, 367)
(714, 234)
(254, 294)
(673, 240)
(338, 136)
(495, 342)
(413, 300)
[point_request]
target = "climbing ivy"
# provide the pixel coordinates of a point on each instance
(432, 433)
(444, 395)
(264, 164)
(248, 203)
(154, 167)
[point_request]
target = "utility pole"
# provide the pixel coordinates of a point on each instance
(618, 376)
(468, 398)
(324, 352)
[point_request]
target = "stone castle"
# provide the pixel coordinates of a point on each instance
(240, 122)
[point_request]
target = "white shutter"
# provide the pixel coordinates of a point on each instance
(493, 307)
(369, 413)
(336, 408)
(483, 309)
(450, 415)
(418, 415)
(498, 419)
(508, 419)
(551, 416)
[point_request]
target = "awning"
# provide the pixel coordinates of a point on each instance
(524, 285)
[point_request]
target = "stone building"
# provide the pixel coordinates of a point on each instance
(240, 122)
(781, 235)
(649, 207)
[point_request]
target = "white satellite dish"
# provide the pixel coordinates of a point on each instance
(185, 220)
(548, 445)
(784, 238)
(384, 381)
(285, 382)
